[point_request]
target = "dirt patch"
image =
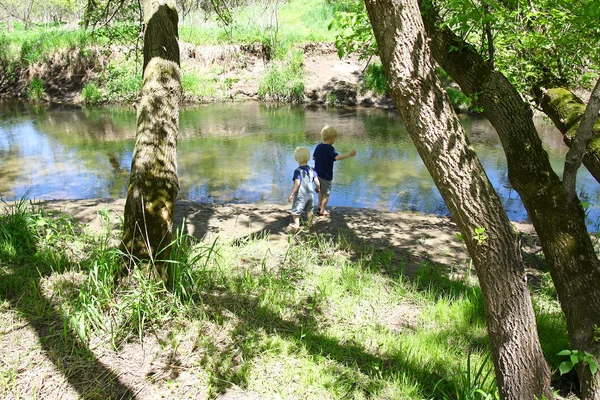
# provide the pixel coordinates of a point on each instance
(413, 238)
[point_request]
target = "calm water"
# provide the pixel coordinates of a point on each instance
(244, 153)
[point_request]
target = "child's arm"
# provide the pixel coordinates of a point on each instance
(344, 156)
(294, 190)
(317, 183)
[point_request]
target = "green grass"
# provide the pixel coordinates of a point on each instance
(284, 81)
(318, 317)
(91, 94)
(298, 22)
(36, 90)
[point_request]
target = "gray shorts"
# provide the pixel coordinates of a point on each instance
(302, 203)
(325, 187)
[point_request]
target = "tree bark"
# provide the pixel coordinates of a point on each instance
(439, 137)
(565, 109)
(153, 184)
(578, 148)
(560, 224)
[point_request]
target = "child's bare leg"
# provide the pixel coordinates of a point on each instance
(309, 216)
(323, 205)
(320, 201)
(296, 219)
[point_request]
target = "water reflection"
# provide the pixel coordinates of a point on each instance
(243, 153)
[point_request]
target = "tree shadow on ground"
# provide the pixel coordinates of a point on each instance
(251, 317)
(350, 358)
(22, 289)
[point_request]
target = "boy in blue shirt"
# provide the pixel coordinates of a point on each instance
(302, 192)
(324, 156)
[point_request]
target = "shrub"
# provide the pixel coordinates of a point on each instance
(90, 94)
(196, 86)
(123, 80)
(375, 80)
(284, 82)
(36, 90)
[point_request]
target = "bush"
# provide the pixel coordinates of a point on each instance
(90, 94)
(196, 86)
(123, 80)
(36, 90)
(284, 82)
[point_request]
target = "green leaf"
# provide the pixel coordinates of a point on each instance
(574, 359)
(564, 353)
(593, 367)
(565, 367)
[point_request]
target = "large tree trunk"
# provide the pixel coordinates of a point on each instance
(565, 109)
(521, 369)
(560, 223)
(153, 184)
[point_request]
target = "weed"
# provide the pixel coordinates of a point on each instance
(36, 90)
(91, 94)
(470, 383)
(375, 80)
(284, 82)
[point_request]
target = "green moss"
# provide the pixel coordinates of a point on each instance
(569, 107)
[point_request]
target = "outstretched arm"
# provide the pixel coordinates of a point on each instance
(344, 156)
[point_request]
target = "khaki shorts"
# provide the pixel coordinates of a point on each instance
(325, 186)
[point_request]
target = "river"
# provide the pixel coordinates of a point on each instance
(243, 153)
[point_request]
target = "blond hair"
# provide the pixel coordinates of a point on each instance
(302, 155)
(328, 132)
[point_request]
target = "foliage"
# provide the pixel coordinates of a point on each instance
(284, 82)
(8, 66)
(36, 90)
(38, 44)
(533, 41)
(91, 94)
(354, 31)
(470, 383)
(123, 80)
(198, 87)
(375, 79)
(577, 357)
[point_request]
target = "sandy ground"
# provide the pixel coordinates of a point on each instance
(414, 238)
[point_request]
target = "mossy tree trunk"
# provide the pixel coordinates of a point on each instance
(559, 223)
(565, 109)
(521, 369)
(153, 183)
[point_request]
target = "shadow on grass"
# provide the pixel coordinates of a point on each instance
(20, 285)
(78, 364)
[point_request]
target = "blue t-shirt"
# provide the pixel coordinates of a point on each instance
(298, 174)
(324, 155)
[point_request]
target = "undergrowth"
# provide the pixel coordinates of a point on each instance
(318, 316)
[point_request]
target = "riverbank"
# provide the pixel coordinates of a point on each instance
(414, 238)
(210, 73)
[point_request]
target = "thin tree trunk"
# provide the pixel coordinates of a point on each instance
(521, 369)
(153, 184)
(560, 224)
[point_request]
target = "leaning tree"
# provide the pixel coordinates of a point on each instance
(521, 369)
